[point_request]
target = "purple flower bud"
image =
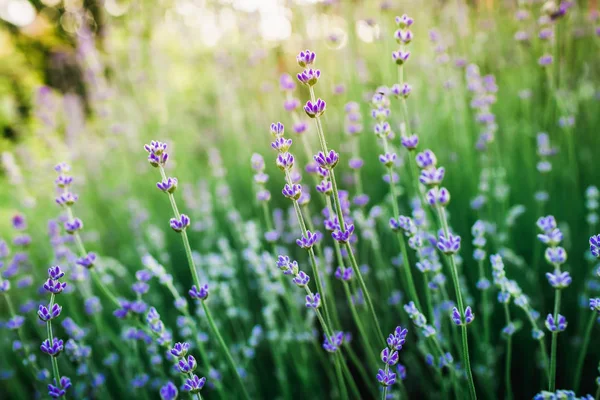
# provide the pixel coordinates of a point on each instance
(389, 357)
(55, 272)
(281, 144)
(300, 127)
(313, 300)
(199, 294)
(52, 349)
(387, 159)
(426, 159)
(22, 240)
(168, 391)
(292, 192)
(301, 279)
(545, 60)
(404, 21)
(285, 161)
(194, 384)
(556, 255)
(432, 176)
(327, 161)
(309, 76)
(87, 261)
(180, 350)
(63, 181)
(386, 378)
(344, 274)
(18, 222)
(595, 305)
(180, 224)
(546, 224)
(558, 325)
(73, 226)
(277, 129)
(400, 56)
(316, 109)
(188, 365)
(343, 237)
(56, 287)
(168, 185)
(46, 315)
(410, 142)
(286, 83)
(307, 241)
(448, 245)
(356, 163)
(157, 154)
(263, 195)
(258, 162)
(291, 104)
(305, 58)
(559, 280)
(595, 245)
(56, 390)
(438, 196)
(66, 199)
(403, 36)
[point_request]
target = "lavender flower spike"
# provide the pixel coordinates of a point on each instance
(306, 242)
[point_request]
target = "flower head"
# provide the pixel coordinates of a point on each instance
(157, 153)
(199, 294)
(305, 58)
(315, 109)
(180, 224)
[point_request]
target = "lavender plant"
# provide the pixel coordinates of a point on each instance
(289, 296)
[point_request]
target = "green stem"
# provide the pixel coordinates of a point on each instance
(583, 351)
(507, 379)
(554, 343)
(459, 300)
(196, 281)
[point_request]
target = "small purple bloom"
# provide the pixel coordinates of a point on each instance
(448, 245)
(199, 294)
(556, 255)
(277, 129)
(305, 58)
(188, 365)
(281, 144)
(54, 286)
(327, 161)
(389, 357)
(87, 261)
(168, 185)
(292, 192)
(309, 76)
(301, 279)
(313, 300)
(344, 274)
(180, 224)
(426, 159)
(595, 245)
(343, 237)
(157, 154)
(168, 391)
(46, 314)
(558, 279)
(432, 176)
(180, 350)
(194, 384)
(316, 109)
(52, 349)
(558, 325)
(73, 226)
(387, 159)
(386, 378)
(285, 161)
(307, 241)
(410, 142)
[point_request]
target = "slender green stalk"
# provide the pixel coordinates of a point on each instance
(583, 351)
(338, 209)
(459, 300)
(28, 360)
(196, 281)
(384, 391)
(552, 384)
(406, 264)
(55, 370)
(507, 379)
(598, 393)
